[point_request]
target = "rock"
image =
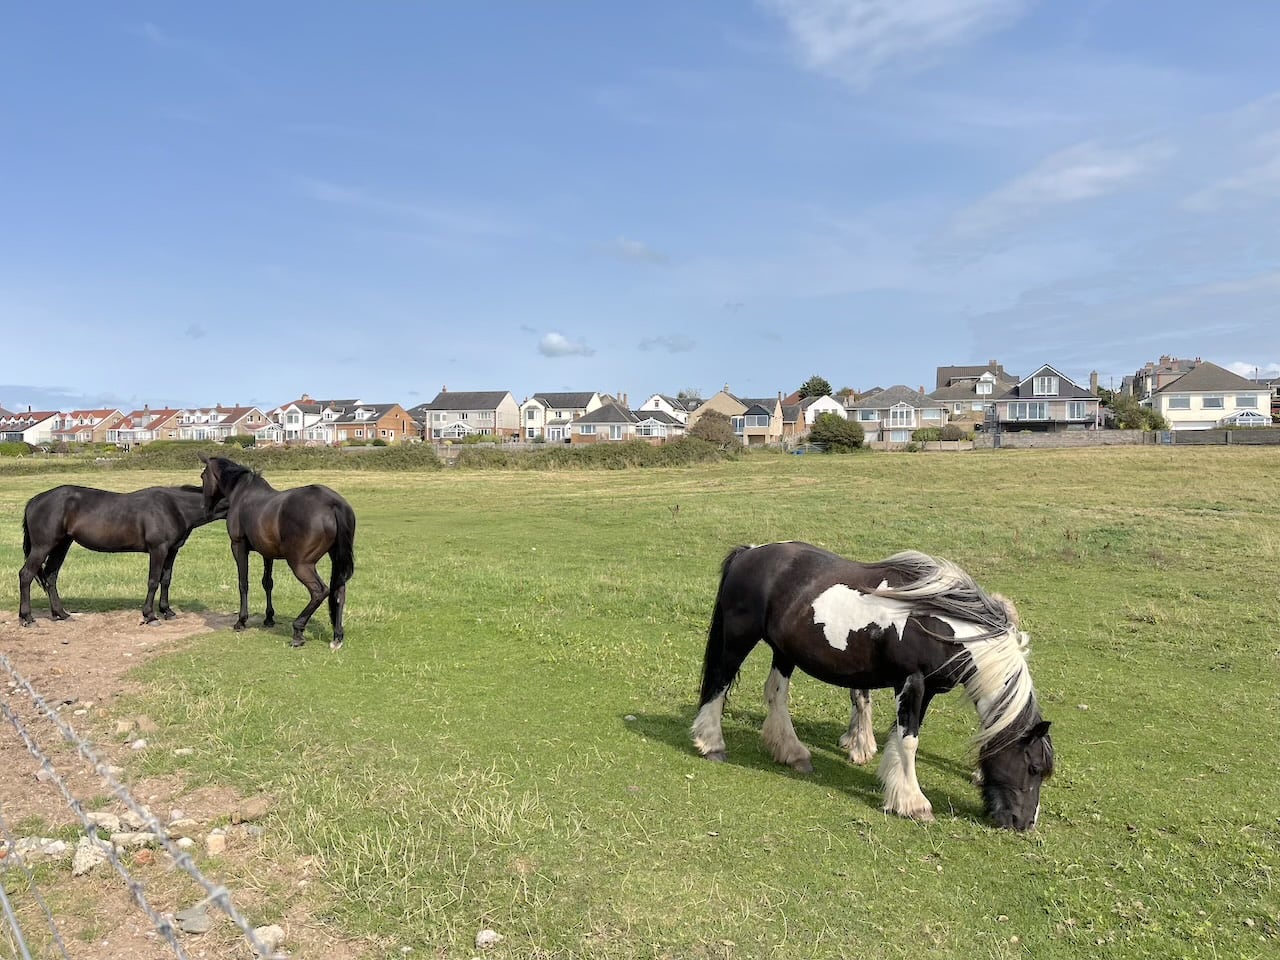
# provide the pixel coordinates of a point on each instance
(134, 841)
(80, 713)
(216, 843)
(193, 920)
(28, 848)
(185, 843)
(487, 939)
(138, 744)
(630, 718)
(147, 725)
(270, 936)
(44, 775)
(184, 751)
(176, 814)
(87, 856)
(104, 821)
(184, 825)
(254, 808)
(134, 821)
(144, 857)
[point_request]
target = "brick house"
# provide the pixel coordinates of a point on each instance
(376, 421)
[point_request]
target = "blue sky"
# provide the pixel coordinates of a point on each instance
(240, 202)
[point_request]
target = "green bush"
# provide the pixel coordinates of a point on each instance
(953, 431)
(239, 440)
(926, 434)
(14, 448)
(596, 456)
(837, 433)
(184, 454)
(377, 442)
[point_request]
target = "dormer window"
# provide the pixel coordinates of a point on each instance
(984, 388)
(1046, 386)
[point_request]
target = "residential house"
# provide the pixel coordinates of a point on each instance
(219, 422)
(1273, 385)
(389, 422)
(609, 422)
(678, 407)
(969, 392)
(86, 426)
(547, 416)
(34, 427)
(1048, 401)
(1155, 376)
(722, 402)
(453, 415)
(1208, 396)
(657, 426)
(145, 426)
(756, 421)
(311, 421)
(889, 416)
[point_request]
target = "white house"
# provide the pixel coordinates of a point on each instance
(548, 415)
(1208, 396)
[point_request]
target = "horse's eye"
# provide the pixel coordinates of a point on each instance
(1036, 770)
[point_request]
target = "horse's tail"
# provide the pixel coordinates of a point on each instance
(714, 682)
(342, 554)
(26, 552)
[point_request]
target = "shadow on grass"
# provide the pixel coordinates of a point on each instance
(113, 604)
(951, 794)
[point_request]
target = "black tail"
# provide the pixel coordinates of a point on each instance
(342, 554)
(713, 681)
(26, 552)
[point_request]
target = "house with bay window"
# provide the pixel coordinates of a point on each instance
(889, 416)
(1208, 396)
(547, 416)
(453, 415)
(610, 422)
(1048, 401)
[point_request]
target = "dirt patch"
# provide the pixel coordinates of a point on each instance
(78, 667)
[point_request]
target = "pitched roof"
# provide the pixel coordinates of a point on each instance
(380, 410)
(659, 416)
(1067, 388)
(893, 396)
(465, 400)
(758, 409)
(948, 376)
(609, 413)
(571, 400)
(1209, 377)
(968, 389)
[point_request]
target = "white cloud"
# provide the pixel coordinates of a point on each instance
(558, 345)
(1261, 180)
(856, 39)
(1079, 173)
(1251, 370)
(674, 343)
(637, 251)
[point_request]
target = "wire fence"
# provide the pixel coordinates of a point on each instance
(215, 894)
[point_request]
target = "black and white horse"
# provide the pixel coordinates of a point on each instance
(912, 622)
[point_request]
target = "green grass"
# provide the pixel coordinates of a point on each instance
(466, 761)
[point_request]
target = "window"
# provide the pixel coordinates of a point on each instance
(737, 424)
(902, 417)
(1046, 386)
(360, 433)
(1077, 410)
(1028, 410)
(1249, 400)
(957, 408)
(758, 420)
(1213, 402)
(587, 428)
(530, 433)
(651, 430)
(531, 414)
(1179, 403)
(869, 415)
(984, 388)
(615, 431)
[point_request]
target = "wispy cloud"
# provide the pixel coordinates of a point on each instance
(1079, 173)
(1259, 180)
(1245, 369)
(441, 218)
(558, 345)
(193, 332)
(635, 251)
(857, 39)
(154, 34)
(673, 343)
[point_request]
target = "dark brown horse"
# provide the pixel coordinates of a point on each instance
(156, 521)
(298, 526)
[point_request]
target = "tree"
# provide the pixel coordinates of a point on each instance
(845, 392)
(815, 386)
(689, 393)
(1131, 415)
(714, 427)
(837, 432)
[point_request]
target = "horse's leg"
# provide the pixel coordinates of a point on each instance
(860, 741)
(902, 793)
(52, 566)
(166, 577)
(339, 598)
(154, 575)
(727, 648)
(779, 735)
(267, 583)
(30, 571)
(240, 550)
(306, 573)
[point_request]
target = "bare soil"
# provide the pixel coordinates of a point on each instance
(79, 667)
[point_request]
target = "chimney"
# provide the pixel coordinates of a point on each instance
(444, 388)
(921, 389)
(1093, 383)
(625, 405)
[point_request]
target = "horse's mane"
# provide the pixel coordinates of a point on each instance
(999, 682)
(232, 472)
(191, 488)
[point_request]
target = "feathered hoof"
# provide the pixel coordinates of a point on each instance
(920, 813)
(717, 756)
(335, 644)
(803, 765)
(27, 621)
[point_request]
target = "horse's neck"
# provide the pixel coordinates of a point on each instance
(252, 485)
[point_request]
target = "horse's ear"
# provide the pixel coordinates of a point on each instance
(204, 457)
(1040, 730)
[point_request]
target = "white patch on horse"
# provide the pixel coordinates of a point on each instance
(902, 793)
(708, 736)
(778, 733)
(842, 610)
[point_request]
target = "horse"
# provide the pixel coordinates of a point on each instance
(918, 624)
(155, 521)
(299, 526)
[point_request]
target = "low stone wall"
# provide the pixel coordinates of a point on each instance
(1066, 440)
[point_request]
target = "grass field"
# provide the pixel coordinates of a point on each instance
(503, 741)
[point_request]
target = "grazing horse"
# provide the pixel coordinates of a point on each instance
(912, 622)
(299, 526)
(156, 521)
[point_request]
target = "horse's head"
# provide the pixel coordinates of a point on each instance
(1011, 776)
(215, 497)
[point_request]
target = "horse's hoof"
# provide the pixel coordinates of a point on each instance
(168, 614)
(922, 814)
(269, 622)
(149, 621)
(861, 756)
(62, 616)
(238, 626)
(297, 641)
(335, 644)
(27, 621)
(804, 765)
(717, 756)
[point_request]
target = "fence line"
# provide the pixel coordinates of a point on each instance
(215, 893)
